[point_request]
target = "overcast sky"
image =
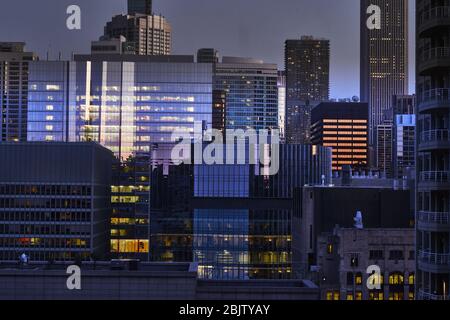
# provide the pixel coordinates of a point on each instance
(251, 28)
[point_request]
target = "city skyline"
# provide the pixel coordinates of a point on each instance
(246, 37)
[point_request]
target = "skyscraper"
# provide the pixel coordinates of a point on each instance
(129, 104)
(251, 93)
(145, 33)
(140, 6)
(404, 135)
(14, 90)
(307, 63)
(385, 148)
(126, 103)
(433, 150)
(343, 127)
(230, 219)
(384, 61)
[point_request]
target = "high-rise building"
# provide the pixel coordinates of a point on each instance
(404, 135)
(129, 104)
(14, 90)
(55, 201)
(384, 61)
(385, 148)
(146, 34)
(231, 220)
(251, 93)
(140, 6)
(307, 63)
(282, 104)
(433, 150)
(343, 126)
(124, 102)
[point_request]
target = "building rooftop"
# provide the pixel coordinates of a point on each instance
(134, 58)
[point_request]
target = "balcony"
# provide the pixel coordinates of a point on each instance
(438, 98)
(432, 20)
(432, 59)
(433, 221)
(434, 139)
(434, 262)
(423, 295)
(434, 180)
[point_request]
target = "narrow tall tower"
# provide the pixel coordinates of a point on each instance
(307, 63)
(384, 61)
(433, 149)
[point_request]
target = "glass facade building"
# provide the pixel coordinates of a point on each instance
(231, 220)
(130, 105)
(14, 63)
(404, 135)
(251, 93)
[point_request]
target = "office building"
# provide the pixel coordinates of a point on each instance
(140, 6)
(55, 201)
(251, 93)
(383, 203)
(282, 104)
(345, 254)
(129, 104)
(385, 148)
(433, 150)
(146, 34)
(343, 126)
(233, 221)
(404, 135)
(14, 62)
(135, 101)
(307, 63)
(384, 61)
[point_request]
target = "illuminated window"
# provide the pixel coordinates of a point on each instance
(376, 295)
(395, 296)
(330, 248)
(411, 279)
(329, 295)
(129, 246)
(396, 278)
(51, 87)
(349, 296)
(336, 295)
(49, 118)
(358, 278)
(49, 127)
(358, 295)
(48, 138)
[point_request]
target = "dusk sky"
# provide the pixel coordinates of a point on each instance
(250, 28)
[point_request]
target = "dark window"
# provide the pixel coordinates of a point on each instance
(354, 260)
(349, 278)
(395, 255)
(376, 255)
